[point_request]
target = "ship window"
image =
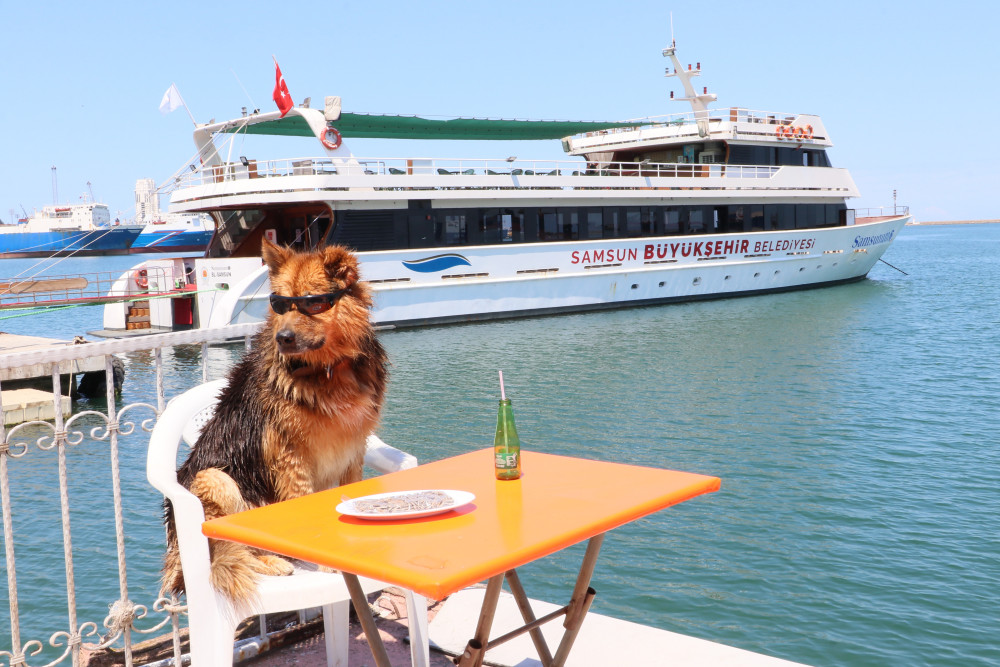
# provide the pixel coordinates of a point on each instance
(696, 222)
(805, 215)
(548, 226)
(502, 226)
(633, 223)
(559, 225)
(569, 222)
(646, 221)
(611, 223)
(506, 227)
(451, 229)
(595, 224)
(673, 221)
(491, 226)
(737, 218)
(757, 217)
(785, 217)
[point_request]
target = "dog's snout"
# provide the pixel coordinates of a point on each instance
(285, 338)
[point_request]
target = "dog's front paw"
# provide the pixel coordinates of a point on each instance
(274, 566)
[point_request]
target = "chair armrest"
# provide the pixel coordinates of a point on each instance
(386, 458)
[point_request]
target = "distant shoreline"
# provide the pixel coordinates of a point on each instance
(953, 222)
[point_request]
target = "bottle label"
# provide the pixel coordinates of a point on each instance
(508, 460)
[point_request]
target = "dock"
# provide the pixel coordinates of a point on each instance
(27, 390)
(604, 640)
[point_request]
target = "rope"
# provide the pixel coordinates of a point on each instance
(121, 615)
(895, 267)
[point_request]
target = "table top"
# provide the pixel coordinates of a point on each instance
(558, 501)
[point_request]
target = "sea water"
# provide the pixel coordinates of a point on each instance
(855, 429)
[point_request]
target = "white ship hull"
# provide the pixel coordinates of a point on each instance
(502, 281)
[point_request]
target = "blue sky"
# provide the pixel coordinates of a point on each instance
(907, 89)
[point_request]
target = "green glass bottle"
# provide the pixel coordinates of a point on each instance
(506, 444)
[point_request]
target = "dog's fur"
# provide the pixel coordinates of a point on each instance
(294, 417)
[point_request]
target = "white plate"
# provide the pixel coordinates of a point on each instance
(458, 499)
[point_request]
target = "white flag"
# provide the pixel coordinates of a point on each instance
(171, 100)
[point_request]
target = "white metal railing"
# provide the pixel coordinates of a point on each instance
(396, 170)
(881, 211)
(114, 432)
(732, 114)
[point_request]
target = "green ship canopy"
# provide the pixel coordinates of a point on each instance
(374, 126)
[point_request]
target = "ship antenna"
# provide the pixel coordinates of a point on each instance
(699, 103)
(253, 105)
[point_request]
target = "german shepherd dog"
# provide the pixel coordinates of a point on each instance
(296, 413)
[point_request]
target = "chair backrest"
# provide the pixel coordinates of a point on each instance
(161, 471)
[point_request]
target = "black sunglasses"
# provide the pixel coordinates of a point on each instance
(314, 304)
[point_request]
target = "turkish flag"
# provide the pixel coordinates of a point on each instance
(281, 95)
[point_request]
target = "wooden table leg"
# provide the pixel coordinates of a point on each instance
(476, 648)
(364, 613)
(579, 604)
(521, 598)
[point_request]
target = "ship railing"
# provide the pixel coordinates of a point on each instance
(76, 486)
(882, 211)
(730, 114)
(393, 172)
(19, 293)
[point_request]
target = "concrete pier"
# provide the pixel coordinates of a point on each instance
(25, 405)
(27, 390)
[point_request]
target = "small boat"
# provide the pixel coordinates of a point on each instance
(69, 229)
(175, 233)
(167, 232)
(703, 204)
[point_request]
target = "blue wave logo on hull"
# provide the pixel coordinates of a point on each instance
(437, 263)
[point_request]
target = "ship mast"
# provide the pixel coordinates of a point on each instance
(699, 103)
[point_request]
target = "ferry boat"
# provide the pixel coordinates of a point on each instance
(68, 229)
(703, 204)
(167, 232)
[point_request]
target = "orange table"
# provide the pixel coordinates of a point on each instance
(559, 501)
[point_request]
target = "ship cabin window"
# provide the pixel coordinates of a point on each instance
(696, 221)
(427, 227)
(451, 230)
(502, 226)
(595, 224)
(611, 217)
(558, 225)
(672, 222)
(778, 156)
(736, 218)
(756, 217)
(633, 223)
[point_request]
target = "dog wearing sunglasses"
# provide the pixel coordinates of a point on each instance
(296, 413)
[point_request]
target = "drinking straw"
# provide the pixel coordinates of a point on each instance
(503, 395)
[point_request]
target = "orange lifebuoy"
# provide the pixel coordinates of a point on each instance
(809, 132)
(141, 278)
(780, 131)
(332, 145)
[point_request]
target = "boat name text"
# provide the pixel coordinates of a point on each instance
(673, 250)
(865, 241)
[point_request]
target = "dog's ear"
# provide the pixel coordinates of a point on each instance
(341, 266)
(274, 255)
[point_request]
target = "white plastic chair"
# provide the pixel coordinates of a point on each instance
(212, 619)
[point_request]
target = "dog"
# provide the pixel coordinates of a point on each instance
(295, 414)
